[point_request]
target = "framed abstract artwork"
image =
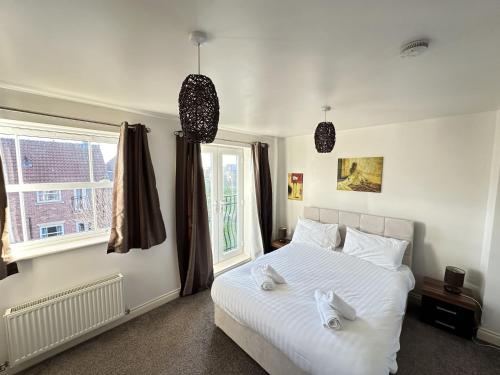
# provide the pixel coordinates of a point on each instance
(295, 186)
(360, 174)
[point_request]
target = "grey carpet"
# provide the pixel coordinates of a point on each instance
(180, 338)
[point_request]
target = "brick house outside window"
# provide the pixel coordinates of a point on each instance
(62, 163)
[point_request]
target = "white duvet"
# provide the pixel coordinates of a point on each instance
(287, 317)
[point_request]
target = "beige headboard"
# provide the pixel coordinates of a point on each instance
(383, 226)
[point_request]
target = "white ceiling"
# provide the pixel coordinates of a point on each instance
(274, 63)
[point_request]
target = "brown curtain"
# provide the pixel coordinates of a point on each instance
(194, 249)
(264, 192)
(7, 267)
(137, 222)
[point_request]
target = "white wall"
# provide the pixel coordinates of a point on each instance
(491, 258)
(149, 274)
(436, 172)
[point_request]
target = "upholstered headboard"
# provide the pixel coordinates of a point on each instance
(383, 226)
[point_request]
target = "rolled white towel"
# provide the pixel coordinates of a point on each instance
(261, 279)
(346, 310)
(329, 317)
(268, 270)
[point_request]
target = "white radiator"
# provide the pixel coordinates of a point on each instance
(43, 324)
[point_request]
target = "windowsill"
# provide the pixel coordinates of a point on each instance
(231, 263)
(40, 248)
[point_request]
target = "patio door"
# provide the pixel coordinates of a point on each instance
(223, 169)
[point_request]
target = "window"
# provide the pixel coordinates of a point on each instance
(47, 164)
(81, 199)
(83, 227)
(223, 172)
(51, 230)
(48, 196)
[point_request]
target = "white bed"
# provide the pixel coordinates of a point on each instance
(281, 329)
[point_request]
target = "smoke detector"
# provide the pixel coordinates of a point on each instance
(414, 48)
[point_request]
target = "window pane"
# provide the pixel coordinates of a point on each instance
(9, 163)
(48, 196)
(230, 178)
(16, 226)
(54, 160)
(51, 231)
(230, 201)
(103, 159)
(104, 201)
(82, 227)
(60, 217)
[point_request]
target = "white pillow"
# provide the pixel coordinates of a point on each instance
(323, 235)
(382, 251)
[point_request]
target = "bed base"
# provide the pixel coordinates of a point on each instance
(271, 359)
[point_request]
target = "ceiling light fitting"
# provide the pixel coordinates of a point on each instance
(325, 136)
(198, 102)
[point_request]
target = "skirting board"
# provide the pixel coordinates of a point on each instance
(134, 313)
(488, 336)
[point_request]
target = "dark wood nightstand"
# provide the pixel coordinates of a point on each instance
(276, 244)
(452, 312)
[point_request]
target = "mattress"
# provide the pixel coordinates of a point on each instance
(288, 319)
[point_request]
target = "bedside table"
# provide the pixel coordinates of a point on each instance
(276, 244)
(452, 312)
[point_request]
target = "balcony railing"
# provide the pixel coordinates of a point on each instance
(230, 222)
(80, 204)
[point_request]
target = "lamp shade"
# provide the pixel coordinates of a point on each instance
(454, 279)
(282, 232)
(324, 137)
(199, 109)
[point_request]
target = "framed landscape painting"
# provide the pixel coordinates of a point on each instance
(295, 186)
(360, 174)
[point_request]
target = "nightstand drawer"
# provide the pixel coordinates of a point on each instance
(446, 311)
(449, 317)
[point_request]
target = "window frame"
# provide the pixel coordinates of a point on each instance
(45, 246)
(45, 201)
(46, 226)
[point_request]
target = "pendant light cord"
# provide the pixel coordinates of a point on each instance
(198, 58)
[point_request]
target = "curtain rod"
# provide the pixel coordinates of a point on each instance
(12, 109)
(179, 133)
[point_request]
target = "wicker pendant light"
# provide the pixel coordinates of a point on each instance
(198, 102)
(324, 136)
